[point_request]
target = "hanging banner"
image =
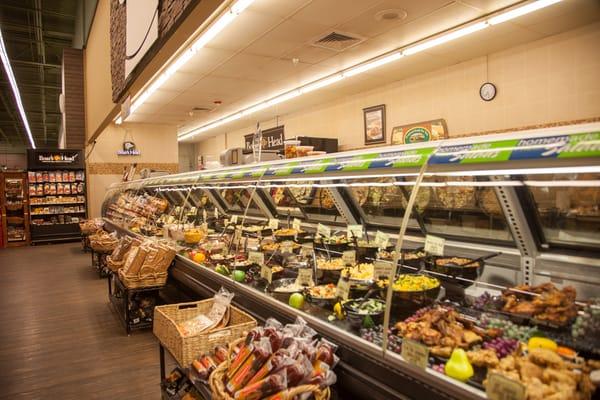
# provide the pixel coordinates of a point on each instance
(272, 139)
(420, 132)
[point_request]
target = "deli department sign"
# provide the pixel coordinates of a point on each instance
(272, 139)
(128, 149)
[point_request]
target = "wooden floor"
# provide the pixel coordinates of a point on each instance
(58, 337)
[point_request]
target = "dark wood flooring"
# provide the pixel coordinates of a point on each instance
(58, 337)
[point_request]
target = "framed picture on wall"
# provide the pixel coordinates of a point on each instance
(374, 118)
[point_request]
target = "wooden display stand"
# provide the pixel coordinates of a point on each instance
(13, 191)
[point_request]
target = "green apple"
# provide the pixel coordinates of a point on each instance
(239, 276)
(296, 300)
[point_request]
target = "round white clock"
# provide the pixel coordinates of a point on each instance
(487, 91)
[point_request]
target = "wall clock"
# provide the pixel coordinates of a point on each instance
(487, 91)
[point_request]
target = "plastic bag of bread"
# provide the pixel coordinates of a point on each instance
(134, 260)
(217, 317)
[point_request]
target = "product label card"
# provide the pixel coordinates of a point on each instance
(306, 250)
(382, 239)
(415, 353)
(434, 245)
(343, 289)
(286, 247)
(305, 277)
(266, 273)
(296, 224)
(323, 230)
(256, 257)
(499, 387)
(273, 223)
(204, 215)
(252, 243)
(382, 269)
(216, 213)
(349, 257)
(233, 219)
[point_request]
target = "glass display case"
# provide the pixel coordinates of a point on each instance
(15, 209)
(407, 258)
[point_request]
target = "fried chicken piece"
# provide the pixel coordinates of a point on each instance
(563, 376)
(471, 337)
(431, 337)
(483, 358)
(537, 390)
(526, 308)
(529, 371)
(593, 364)
(448, 342)
(441, 351)
(545, 357)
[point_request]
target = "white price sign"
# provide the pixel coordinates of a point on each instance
(354, 231)
(349, 257)
(234, 219)
(204, 215)
(305, 277)
(237, 236)
(343, 289)
(286, 247)
(382, 269)
(256, 257)
(273, 223)
(204, 227)
(382, 239)
(323, 230)
(306, 250)
(434, 245)
(252, 243)
(296, 224)
(415, 353)
(499, 387)
(266, 273)
(216, 213)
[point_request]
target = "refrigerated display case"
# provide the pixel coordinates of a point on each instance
(14, 207)
(473, 234)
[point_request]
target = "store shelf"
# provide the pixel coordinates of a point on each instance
(56, 203)
(61, 213)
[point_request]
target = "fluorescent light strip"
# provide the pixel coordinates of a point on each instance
(372, 64)
(523, 171)
(15, 89)
(563, 183)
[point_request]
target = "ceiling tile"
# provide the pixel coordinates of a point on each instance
(279, 8)
(331, 12)
(206, 60)
(181, 81)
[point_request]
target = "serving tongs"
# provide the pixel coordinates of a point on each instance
(478, 260)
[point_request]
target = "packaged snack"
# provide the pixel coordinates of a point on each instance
(208, 363)
(260, 354)
(31, 176)
(220, 354)
(271, 384)
(67, 189)
(59, 188)
(244, 351)
(45, 176)
(52, 177)
(300, 371)
(65, 176)
(71, 176)
(200, 369)
(278, 360)
(218, 312)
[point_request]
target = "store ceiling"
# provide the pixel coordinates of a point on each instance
(35, 33)
(252, 59)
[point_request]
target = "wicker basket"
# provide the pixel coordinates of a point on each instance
(100, 247)
(114, 266)
(216, 381)
(143, 279)
(14, 206)
(186, 349)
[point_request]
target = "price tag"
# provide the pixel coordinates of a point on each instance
(286, 247)
(216, 213)
(499, 387)
(252, 243)
(234, 219)
(226, 221)
(323, 230)
(434, 245)
(256, 257)
(273, 223)
(204, 215)
(382, 268)
(237, 235)
(266, 273)
(296, 223)
(349, 257)
(305, 277)
(415, 353)
(343, 289)
(204, 227)
(382, 239)
(306, 250)
(354, 231)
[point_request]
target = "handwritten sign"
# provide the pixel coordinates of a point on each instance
(305, 277)
(381, 239)
(354, 231)
(286, 247)
(415, 353)
(273, 223)
(256, 257)
(296, 224)
(266, 273)
(349, 257)
(204, 227)
(382, 269)
(434, 245)
(252, 243)
(499, 387)
(323, 230)
(233, 219)
(343, 288)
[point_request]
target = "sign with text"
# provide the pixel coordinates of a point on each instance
(256, 257)
(272, 139)
(343, 288)
(349, 257)
(273, 223)
(415, 353)
(296, 224)
(382, 269)
(499, 387)
(382, 239)
(354, 232)
(434, 245)
(420, 132)
(305, 277)
(323, 230)
(266, 273)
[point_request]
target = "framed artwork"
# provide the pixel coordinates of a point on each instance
(420, 132)
(374, 124)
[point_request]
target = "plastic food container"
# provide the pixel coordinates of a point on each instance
(302, 151)
(316, 153)
(290, 148)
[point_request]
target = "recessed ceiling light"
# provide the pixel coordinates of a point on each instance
(394, 14)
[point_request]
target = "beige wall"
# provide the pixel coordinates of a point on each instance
(96, 65)
(550, 80)
(158, 147)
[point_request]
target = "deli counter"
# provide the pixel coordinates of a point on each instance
(402, 255)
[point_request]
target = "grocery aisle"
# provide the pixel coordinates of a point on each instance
(58, 337)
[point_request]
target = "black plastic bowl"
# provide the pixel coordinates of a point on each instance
(368, 253)
(282, 296)
(335, 248)
(461, 275)
(355, 319)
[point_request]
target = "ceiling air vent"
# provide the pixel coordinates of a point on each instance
(338, 41)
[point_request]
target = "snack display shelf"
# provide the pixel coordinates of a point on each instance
(533, 252)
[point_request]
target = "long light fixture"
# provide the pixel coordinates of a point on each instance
(377, 62)
(209, 34)
(15, 88)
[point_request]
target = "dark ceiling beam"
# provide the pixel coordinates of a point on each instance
(48, 42)
(34, 85)
(16, 125)
(33, 9)
(34, 64)
(8, 27)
